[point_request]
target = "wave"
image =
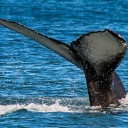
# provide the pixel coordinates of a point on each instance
(68, 105)
(49, 104)
(5, 109)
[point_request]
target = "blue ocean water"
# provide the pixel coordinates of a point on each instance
(39, 89)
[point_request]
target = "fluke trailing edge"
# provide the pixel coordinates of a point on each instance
(98, 54)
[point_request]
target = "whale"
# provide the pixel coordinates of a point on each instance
(97, 54)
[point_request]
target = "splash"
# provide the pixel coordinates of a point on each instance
(5, 109)
(68, 105)
(47, 108)
(56, 107)
(113, 109)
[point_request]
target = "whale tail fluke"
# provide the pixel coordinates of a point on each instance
(97, 53)
(101, 53)
(56, 46)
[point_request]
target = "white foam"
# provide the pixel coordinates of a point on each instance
(76, 105)
(47, 108)
(5, 109)
(123, 107)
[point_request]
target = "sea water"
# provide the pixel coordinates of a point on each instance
(39, 89)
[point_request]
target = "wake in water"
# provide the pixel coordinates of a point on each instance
(69, 105)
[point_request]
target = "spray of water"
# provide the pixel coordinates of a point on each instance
(68, 105)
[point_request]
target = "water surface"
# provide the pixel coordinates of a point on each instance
(39, 88)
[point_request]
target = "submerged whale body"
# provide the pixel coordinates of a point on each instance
(98, 54)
